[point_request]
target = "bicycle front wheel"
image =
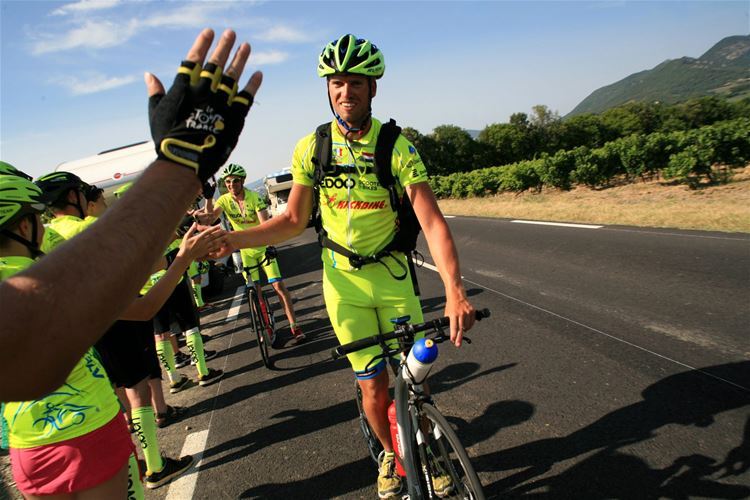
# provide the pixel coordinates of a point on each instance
(258, 325)
(453, 475)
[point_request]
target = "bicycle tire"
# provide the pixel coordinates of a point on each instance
(258, 325)
(371, 439)
(270, 321)
(452, 456)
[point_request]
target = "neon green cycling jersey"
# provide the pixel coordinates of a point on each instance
(62, 229)
(355, 208)
(243, 217)
(84, 403)
(161, 272)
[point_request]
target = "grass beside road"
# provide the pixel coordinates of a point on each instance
(723, 207)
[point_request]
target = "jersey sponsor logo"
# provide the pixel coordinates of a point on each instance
(412, 150)
(338, 183)
(331, 201)
(369, 185)
(368, 157)
(338, 152)
(361, 205)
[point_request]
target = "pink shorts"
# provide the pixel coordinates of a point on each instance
(74, 465)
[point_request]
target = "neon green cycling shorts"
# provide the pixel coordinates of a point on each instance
(251, 258)
(361, 303)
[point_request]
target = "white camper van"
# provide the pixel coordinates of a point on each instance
(112, 168)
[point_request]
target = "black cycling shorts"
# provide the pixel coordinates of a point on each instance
(180, 308)
(128, 352)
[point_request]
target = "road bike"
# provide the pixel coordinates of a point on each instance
(428, 447)
(261, 315)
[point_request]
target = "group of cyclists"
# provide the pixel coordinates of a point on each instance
(76, 440)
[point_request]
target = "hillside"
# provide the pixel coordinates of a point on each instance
(722, 70)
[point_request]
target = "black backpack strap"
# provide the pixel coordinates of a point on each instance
(321, 161)
(387, 137)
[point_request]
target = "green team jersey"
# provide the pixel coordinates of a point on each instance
(355, 209)
(243, 217)
(161, 272)
(85, 402)
(62, 229)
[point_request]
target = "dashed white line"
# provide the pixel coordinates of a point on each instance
(595, 330)
(195, 443)
(562, 224)
(184, 486)
(234, 310)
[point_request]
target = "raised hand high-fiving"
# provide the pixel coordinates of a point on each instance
(197, 123)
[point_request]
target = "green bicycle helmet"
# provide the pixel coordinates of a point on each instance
(8, 169)
(350, 54)
(235, 170)
(18, 197)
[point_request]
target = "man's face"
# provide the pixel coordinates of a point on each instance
(234, 184)
(350, 96)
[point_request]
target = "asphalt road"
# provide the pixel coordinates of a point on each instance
(615, 365)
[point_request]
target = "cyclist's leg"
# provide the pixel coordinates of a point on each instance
(350, 308)
(250, 259)
(144, 423)
(275, 279)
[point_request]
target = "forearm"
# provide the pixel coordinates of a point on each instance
(443, 251)
(99, 272)
(272, 232)
(145, 308)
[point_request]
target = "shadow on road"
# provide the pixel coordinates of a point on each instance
(690, 399)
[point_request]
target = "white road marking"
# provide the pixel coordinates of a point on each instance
(562, 224)
(609, 335)
(449, 216)
(184, 486)
(432, 268)
(234, 309)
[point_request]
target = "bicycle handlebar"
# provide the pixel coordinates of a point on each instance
(401, 331)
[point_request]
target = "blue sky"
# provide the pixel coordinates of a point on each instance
(71, 73)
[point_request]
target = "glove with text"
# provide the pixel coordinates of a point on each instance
(198, 122)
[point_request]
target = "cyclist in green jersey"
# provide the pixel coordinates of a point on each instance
(72, 441)
(145, 217)
(356, 214)
(245, 209)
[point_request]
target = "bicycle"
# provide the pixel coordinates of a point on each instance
(261, 316)
(427, 445)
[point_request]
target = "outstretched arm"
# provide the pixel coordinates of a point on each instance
(443, 251)
(194, 246)
(59, 307)
(287, 225)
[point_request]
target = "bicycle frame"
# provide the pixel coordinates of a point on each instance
(409, 399)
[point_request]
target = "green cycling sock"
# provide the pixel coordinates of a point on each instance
(195, 346)
(135, 486)
(166, 356)
(144, 424)
(198, 290)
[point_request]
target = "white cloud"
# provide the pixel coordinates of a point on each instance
(101, 34)
(283, 34)
(90, 34)
(92, 83)
(84, 6)
(268, 57)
